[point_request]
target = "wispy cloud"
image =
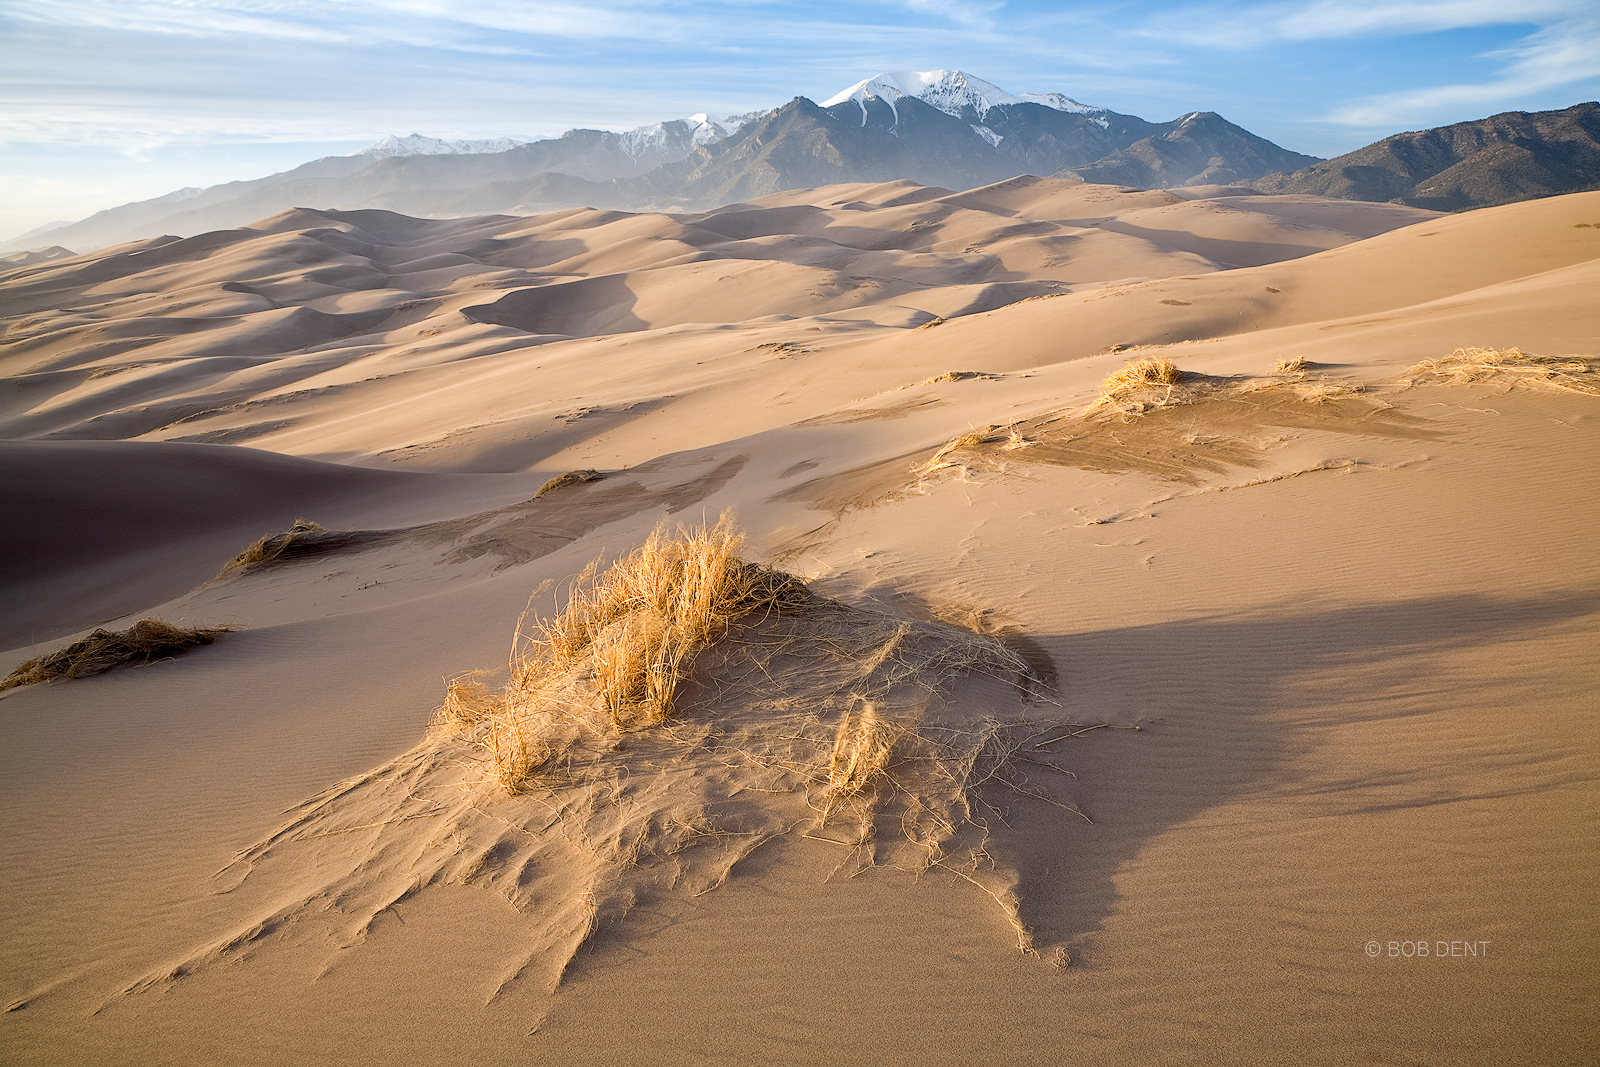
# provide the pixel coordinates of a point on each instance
(1553, 44)
(1563, 54)
(961, 12)
(1254, 25)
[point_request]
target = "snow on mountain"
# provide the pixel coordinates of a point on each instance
(709, 128)
(1061, 103)
(666, 138)
(418, 145)
(950, 91)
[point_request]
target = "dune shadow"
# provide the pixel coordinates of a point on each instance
(584, 307)
(1225, 710)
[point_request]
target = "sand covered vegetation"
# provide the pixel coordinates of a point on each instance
(1142, 610)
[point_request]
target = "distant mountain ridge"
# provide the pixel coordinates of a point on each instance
(418, 145)
(1512, 156)
(942, 127)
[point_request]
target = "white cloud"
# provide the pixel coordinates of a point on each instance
(1562, 54)
(961, 12)
(426, 23)
(1253, 25)
(1351, 18)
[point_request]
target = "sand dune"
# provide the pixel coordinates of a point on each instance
(1344, 588)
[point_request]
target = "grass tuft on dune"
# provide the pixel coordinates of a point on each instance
(561, 481)
(631, 630)
(1511, 366)
(1136, 375)
(146, 641)
(269, 547)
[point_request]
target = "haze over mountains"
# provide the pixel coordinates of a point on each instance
(939, 128)
(943, 128)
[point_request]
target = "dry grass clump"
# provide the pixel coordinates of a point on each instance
(1127, 387)
(952, 376)
(627, 636)
(1511, 365)
(1321, 392)
(1292, 365)
(302, 540)
(1139, 374)
(931, 323)
(270, 546)
(569, 478)
(146, 641)
(971, 439)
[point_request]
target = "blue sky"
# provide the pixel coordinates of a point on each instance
(107, 101)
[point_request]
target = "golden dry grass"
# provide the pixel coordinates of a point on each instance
(860, 752)
(1291, 365)
(970, 440)
(1321, 392)
(1138, 374)
(627, 634)
(145, 641)
(569, 478)
(1512, 366)
(270, 546)
(953, 376)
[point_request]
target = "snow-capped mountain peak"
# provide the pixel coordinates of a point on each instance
(708, 128)
(667, 138)
(418, 145)
(950, 91)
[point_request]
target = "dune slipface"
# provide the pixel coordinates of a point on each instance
(1162, 631)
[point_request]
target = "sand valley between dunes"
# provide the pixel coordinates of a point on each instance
(1243, 712)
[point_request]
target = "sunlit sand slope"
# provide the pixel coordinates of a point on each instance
(1235, 710)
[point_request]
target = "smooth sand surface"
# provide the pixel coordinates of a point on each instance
(1352, 609)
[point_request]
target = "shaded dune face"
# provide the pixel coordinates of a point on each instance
(1191, 586)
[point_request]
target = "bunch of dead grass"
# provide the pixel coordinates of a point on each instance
(1137, 375)
(1512, 366)
(270, 546)
(1006, 437)
(560, 481)
(146, 641)
(953, 376)
(627, 636)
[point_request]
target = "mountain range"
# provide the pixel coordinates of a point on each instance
(1516, 155)
(941, 128)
